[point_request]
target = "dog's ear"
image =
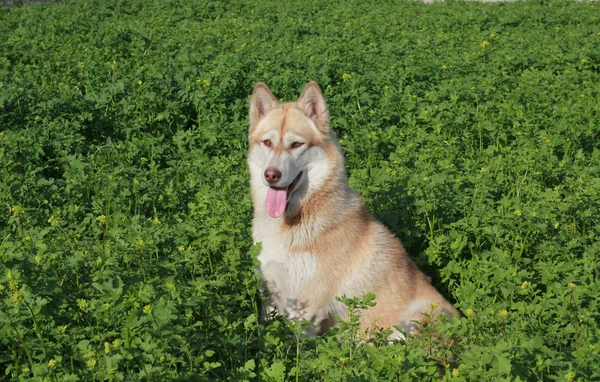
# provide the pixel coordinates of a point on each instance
(312, 102)
(261, 103)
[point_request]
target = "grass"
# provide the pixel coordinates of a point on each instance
(470, 129)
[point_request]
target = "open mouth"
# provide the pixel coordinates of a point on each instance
(277, 198)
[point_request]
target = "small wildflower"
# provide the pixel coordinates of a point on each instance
(15, 297)
(53, 221)
(135, 181)
(525, 285)
(51, 363)
(147, 309)
(483, 170)
(433, 305)
(16, 210)
(534, 214)
(570, 376)
(106, 348)
(89, 354)
(470, 312)
(37, 259)
(82, 303)
(91, 363)
(101, 219)
(106, 306)
(170, 286)
(181, 249)
(117, 343)
(62, 329)
(517, 212)
(556, 225)
(205, 83)
(13, 285)
(346, 76)
(344, 359)
(444, 67)
(140, 82)
(455, 372)
(426, 179)
(9, 274)
(156, 221)
(492, 35)
(572, 286)
(140, 243)
(485, 44)
(503, 313)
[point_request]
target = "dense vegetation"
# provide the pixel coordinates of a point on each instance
(472, 130)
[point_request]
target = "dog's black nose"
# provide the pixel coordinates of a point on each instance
(272, 175)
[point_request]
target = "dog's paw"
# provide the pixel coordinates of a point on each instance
(268, 312)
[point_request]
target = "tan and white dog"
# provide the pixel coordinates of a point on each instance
(318, 239)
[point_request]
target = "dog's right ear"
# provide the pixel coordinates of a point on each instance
(261, 103)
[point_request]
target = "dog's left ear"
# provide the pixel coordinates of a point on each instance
(313, 103)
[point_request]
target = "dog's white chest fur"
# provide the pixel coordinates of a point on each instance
(288, 273)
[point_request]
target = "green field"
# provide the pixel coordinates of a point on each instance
(471, 130)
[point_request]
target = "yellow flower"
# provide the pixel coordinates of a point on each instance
(53, 221)
(82, 303)
(205, 83)
(572, 286)
(170, 286)
(433, 305)
(181, 248)
(9, 274)
(556, 225)
(147, 309)
(101, 219)
(444, 67)
(89, 354)
(106, 348)
(517, 212)
(140, 82)
(91, 363)
(140, 243)
(485, 43)
(37, 259)
(16, 210)
(117, 343)
(51, 363)
(470, 312)
(455, 372)
(135, 181)
(156, 221)
(570, 376)
(106, 306)
(525, 285)
(346, 76)
(503, 313)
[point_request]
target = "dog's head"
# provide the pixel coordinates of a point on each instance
(288, 144)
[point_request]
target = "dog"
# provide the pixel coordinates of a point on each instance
(318, 239)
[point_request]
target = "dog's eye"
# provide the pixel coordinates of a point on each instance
(267, 142)
(295, 145)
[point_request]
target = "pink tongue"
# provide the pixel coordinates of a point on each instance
(276, 201)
